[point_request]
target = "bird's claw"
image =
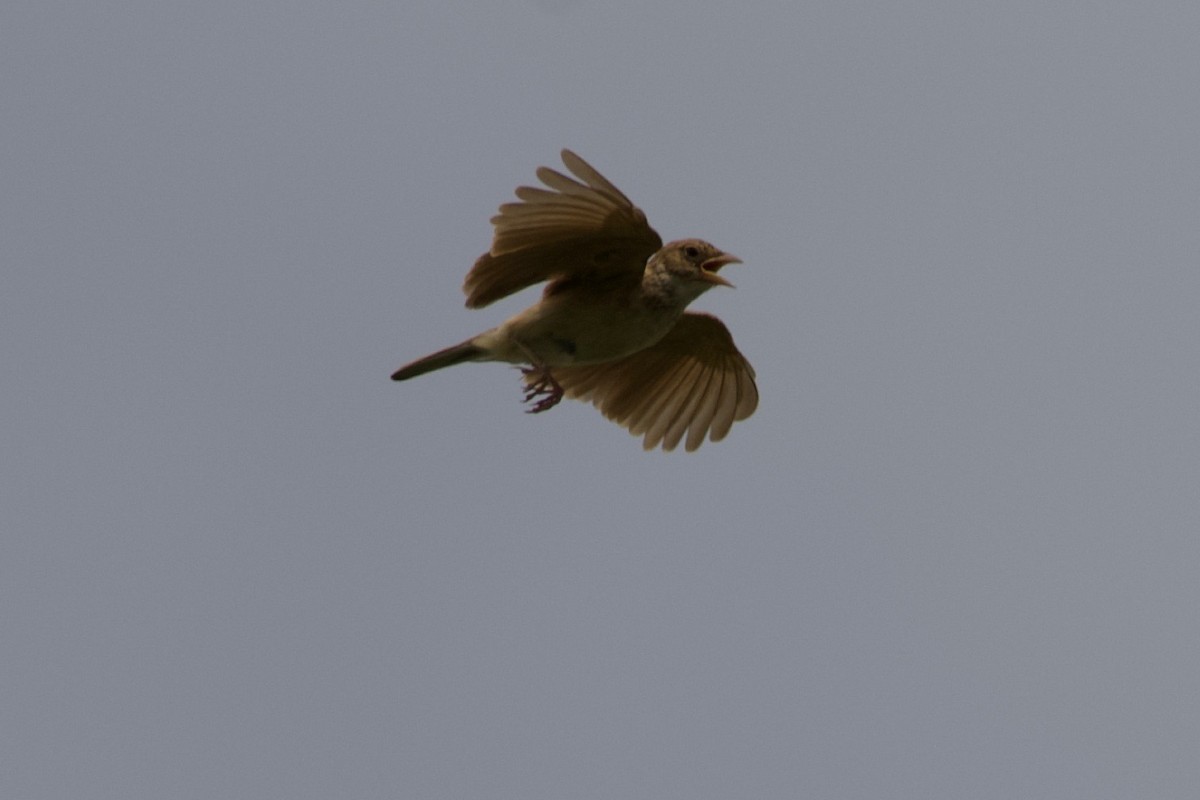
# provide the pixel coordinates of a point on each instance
(540, 383)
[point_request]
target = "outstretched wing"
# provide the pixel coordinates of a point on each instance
(575, 229)
(692, 381)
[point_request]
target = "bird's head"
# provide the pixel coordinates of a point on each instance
(689, 267)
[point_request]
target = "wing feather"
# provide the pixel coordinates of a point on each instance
(637, 388)
(584, 229)
(726, 405)
(676, 394)
(687, 413)
(693, 381)
(702, 419)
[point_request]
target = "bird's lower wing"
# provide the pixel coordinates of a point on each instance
(693, 381)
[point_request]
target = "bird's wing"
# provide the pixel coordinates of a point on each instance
(571, 230)
(693, 381)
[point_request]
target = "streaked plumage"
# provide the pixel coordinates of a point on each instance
(610, 327)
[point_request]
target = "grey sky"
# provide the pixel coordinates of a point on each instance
(955, 554)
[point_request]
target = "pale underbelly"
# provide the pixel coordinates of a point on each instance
(584, 336)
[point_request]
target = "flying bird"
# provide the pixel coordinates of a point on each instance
(611, 326)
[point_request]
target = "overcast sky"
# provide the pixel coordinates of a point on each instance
(955, 553)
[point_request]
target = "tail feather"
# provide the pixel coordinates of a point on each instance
(457, 354)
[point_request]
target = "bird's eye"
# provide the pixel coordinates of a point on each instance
(691, 251)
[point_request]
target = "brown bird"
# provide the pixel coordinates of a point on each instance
(610, 326)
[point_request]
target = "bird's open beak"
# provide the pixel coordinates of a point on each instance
(708, 270)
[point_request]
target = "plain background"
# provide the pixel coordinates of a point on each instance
(955, 554)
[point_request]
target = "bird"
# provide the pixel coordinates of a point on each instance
(611, 326)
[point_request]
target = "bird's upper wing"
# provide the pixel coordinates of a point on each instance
(571, 230)
(692, 381)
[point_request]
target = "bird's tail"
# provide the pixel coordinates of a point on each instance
(457, 354)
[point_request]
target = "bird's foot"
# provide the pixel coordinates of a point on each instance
(540, 383)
